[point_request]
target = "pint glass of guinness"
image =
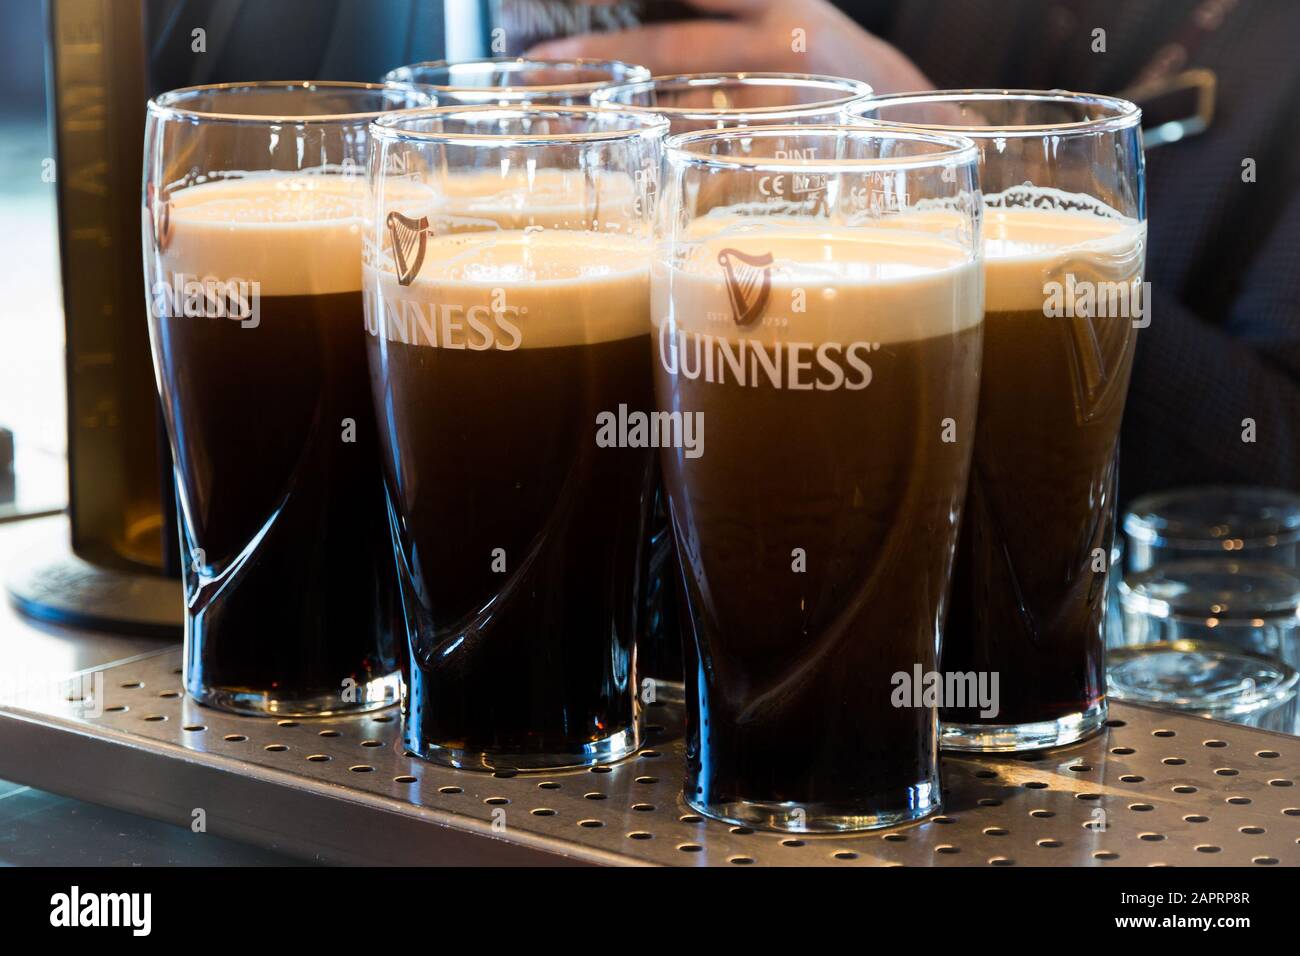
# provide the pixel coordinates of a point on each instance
(507, 305)
(1065, 243)
(253, 201)
(515, 81)
(700, 101)
(817, 308)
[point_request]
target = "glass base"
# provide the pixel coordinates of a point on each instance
(1211, 680)
(603, 751)
(376, 695)
(790, 817)
(1004, 738)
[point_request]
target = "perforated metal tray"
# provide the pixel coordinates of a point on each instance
(1155, 788)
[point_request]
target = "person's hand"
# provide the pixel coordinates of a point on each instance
(752, 35)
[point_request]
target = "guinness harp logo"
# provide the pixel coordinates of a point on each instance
(410, 236)
(749, 283)
(1097, 347)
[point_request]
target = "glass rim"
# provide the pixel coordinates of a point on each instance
(1140, 591)
(960, 151)
(1123, 114)
(855, 91)
(1148, 519)
(640, 73)
(170, 105)
(386, 127)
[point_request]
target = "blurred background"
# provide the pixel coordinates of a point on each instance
(31, 317)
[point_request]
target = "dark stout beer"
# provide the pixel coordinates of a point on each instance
(519, 536)
(817, 529)
(258, 340)
(1029, 586)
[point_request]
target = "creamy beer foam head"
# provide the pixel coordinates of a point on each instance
(295, 233)
(512, 289)
(775, 283)
(1032, 236)
(1029, 246)
(516, 198)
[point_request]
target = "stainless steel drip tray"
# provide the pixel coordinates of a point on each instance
(1155, 788)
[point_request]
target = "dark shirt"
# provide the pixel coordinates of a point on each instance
(1224, 255)
(249, 40)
